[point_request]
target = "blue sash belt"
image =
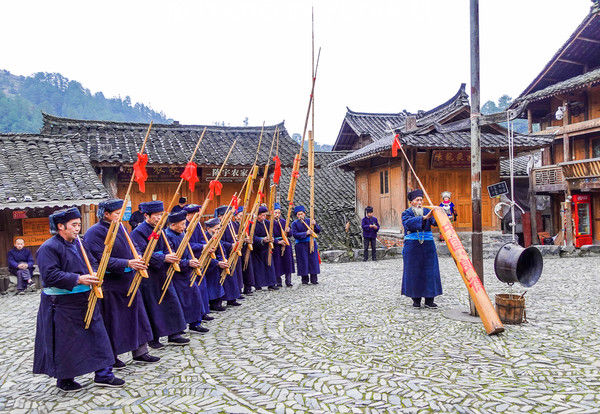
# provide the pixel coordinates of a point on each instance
(418, 235)
(57, 291)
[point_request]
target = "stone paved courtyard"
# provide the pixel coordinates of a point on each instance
(342, 347)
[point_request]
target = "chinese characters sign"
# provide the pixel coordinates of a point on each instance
(228, 175)
(35, 231)
(456, 159)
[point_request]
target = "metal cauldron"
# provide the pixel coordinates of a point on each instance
(514, 263)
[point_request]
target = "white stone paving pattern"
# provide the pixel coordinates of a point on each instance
(350, 344)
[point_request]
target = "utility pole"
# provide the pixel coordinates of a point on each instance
(476, 235)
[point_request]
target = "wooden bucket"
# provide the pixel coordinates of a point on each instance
(510, 308)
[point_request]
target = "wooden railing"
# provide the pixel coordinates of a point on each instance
(589, 168)
(549, 179)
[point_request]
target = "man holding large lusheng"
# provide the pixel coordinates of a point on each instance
(128, 327)
(421, 274)
(64, 349)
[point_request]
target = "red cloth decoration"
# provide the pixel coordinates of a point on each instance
(234, 202)
(296, 174)
(277, 172)
(153, 235)
(139, 171)
(190, 174)
(215, 188)
(261, 196)
(396, 145)
(319, 255)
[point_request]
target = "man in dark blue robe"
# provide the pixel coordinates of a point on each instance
(231, 236)
(180, 206)
(284, 263)
(128, 327)
(197, 243)
(189, 296)
(247, 268)
(421, 273)
(64, 349)
(20, 264)
(306, 262)
(213, 273)
(166, 318)
(230, 284)
(264, 275)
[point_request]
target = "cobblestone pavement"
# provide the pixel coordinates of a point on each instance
(342, 347)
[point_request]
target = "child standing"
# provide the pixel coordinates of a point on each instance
(20, 264)
(370, 227)
(448, 207)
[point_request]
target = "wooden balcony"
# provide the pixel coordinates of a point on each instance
(583, 174)
(549, 179)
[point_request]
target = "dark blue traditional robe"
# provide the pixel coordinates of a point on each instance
(128, 327)
(234, 228)
(63, 347)
(16, 256)
(166, 318)
(264, 275)
(230, 285)
(197, 243)
(189, 296)
(306, 262)
(421, 273)
(213, 276)
(284, 264)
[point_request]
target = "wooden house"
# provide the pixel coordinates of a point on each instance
(438, 143)
(564, 100)
(38, 175)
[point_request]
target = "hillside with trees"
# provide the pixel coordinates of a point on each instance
(24, 98)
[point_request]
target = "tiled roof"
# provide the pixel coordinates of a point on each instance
(582, 47)
(519, 166)
(335, 200)
(375, 125)
(44, 171)
(576, 82)
(117, 142)
(446, 140)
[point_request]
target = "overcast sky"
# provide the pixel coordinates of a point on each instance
(206, 61)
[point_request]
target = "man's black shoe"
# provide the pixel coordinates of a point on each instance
(198, 328)
(273, 288)
(119, 364)
(180, 340)
(68, 385)
(218, 308)
(155, 344)
(279, 285)
(208, 318)
(146, 359)
(114, 382)
(233, 303)
(242, 297)
(431, 305)
(257, 289)
(289, 284)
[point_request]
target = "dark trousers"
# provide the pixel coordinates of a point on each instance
(314, 279)
(370, 241)
(288, 280)
(23, 277)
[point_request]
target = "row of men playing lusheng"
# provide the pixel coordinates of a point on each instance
(65, 349)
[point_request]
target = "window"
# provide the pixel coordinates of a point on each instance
(384, 187)
(596, 148)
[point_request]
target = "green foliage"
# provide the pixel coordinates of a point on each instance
(23, 99)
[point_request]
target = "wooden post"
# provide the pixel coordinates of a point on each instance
(476, 227)
(109, 180)
(533, 209)
(568, 220)
(566, 143)
(529, 121)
